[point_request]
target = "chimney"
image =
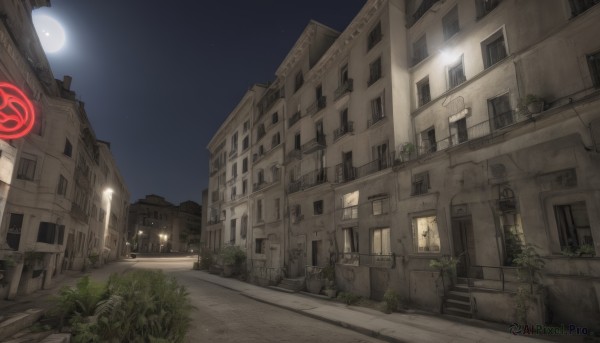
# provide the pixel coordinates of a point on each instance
(67, 82)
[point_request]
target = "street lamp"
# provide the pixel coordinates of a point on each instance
(137, 240)
(163, 239)
(108, 196)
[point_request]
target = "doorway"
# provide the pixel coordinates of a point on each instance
(464, 245)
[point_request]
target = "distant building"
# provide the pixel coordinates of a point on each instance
(63, 201)
(429, 129)
(156, 225)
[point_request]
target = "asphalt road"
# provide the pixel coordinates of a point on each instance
(222, 315)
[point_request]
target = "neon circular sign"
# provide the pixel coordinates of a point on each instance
(17, 114)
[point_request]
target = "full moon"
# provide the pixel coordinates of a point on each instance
(51, 33)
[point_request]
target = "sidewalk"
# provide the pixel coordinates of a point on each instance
(42, 298)
(395, 327)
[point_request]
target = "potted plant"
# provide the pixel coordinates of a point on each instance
(446, 265)
(406, 151)
(532, 104)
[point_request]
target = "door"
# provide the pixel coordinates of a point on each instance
(316, 249)
(348, 168)
(464, 245)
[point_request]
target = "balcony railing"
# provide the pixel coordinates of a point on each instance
(375, 165)
(344, 88)
(294, 119)
(342, 130)
(369, 260)
(232, 152)
(423, 8)
(308, 180)
(344, 173)
(375, 118)
(262, 184)
(267, 101)
(317, 143)
(316, 106)
(485, 128)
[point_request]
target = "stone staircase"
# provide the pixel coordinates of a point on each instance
(457, 301)
(19, 328)
(290, 285)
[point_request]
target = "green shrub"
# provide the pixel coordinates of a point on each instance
(349, 298)
(391, 300)
(233, 255)
(78, 301)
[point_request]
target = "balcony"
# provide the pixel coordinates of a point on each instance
(233, 153)
(375, 118)
(269, 99)
(316, 106)
(344, 173)
(317, 143)
(344, 88)
(294, 119)
(367, 260)
(342, 130)
(375, 165)
(308, 180)
(423, 8)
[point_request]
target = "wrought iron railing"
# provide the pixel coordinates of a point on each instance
(343, 129)
(344, 88)
(314, 178)
(369, 260)
(350, 212)
(375, 165)
(316, 106)
(375, 118)
(344, 173)
(294, 119)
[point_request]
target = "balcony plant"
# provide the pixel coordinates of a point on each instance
(406, 150)
(531, 104)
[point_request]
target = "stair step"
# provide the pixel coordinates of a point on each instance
(458, 312)
(282, 289)
(19, 321)
(455, 304)
(459, 296)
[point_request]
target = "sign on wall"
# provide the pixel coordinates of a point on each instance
(17, 114)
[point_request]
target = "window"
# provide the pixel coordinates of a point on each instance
(426, 237)
(344, 74)
(350, 205)
(420, 183)
(61, 234)
(274, 173)
(233, 192)
(573, 225)
(13, 236)
(500, 111)
(259, 217)
(376, 111)
(26, 169)
(380, 154)
(298, 81)
(245, 165)
(62, 186)
(297, 145)
(428, 141)
(275, 140)
(380, 242)
(234, 170)
(494, 49)
(277, 205)
(261, 176)
(594, 65)
(350, 239)
(244, 226)
(275, 118)
(246, 143)
(259, 246)
(296, 213)
(380, 206)
(260, 131)
(420, 50)
(234, 142)
(450, 23)
(458, 131)
(423, 91)
(374, 36)
(318, 207)
(456, 75)
(485, 6)
(374, 71)
(37, 124)
(246, 126)
(68, 150)
(244, 187)
(232, 232)
(580, 6)
(46, 232)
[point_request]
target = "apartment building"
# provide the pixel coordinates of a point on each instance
(158, 226)
(429, 129)
(231, 180)
(63, 199)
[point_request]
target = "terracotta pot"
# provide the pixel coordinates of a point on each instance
(535, 107)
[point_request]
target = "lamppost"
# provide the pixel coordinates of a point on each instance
(163, 239)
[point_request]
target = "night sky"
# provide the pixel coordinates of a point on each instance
(159, 77)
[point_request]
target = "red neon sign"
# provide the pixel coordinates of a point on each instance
(17, 114)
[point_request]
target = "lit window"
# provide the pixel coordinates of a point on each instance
(426, 236)
(380, 239)
(350, 205)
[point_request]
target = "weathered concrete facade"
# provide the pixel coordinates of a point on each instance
(63, 198)
(413, 135)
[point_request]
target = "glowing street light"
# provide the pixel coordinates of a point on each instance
(108, 193)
